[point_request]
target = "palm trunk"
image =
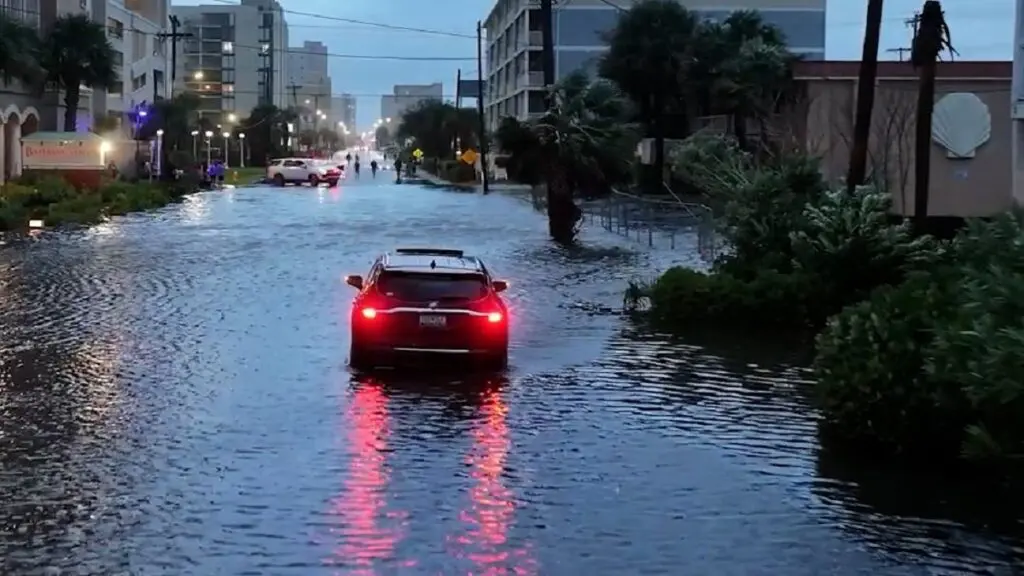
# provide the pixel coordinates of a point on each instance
(72, 96)
(739, 129)
(562, 211)
(923, 144)
(865, 97)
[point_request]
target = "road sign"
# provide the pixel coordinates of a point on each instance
(417, 153)
(469, 156)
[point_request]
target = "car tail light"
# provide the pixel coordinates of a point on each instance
(369, 313)
(495, 317)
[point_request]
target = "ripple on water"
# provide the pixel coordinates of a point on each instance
(173, 399)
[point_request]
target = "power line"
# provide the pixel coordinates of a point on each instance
(366, 22)
(302, 50)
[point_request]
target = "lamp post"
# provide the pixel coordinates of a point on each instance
(209, 151)
(159, 155)
(195, 145)
(227, 147)
(241, 150)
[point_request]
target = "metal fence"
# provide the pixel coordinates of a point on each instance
(657, 222)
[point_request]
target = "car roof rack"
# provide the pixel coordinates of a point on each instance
(430, 252)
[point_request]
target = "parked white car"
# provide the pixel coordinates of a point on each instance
(299, 170)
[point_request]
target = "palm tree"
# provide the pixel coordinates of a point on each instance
(865, 97)
(752, 68)
(75, 53)
(751, 82)
(584, 141)
(19, 45)
(650, 52)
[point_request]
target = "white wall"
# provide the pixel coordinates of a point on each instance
(143, 54)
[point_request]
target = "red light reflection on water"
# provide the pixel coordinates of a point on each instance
(361, 507)
(492, 505)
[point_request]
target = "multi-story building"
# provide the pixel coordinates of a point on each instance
(309, 85)
(20, 108)
(405, 96)
(133, 27)
(515, 78)
(343, 113)
(236, 58)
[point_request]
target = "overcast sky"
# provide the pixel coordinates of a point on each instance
(981, 30)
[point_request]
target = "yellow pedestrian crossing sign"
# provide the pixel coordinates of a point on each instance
(469, 156)
(417, 153)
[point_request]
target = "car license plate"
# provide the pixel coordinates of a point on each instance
(433, 321)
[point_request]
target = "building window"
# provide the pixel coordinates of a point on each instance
(228, 88)
(227, 47)
(26, 11)
(139, 82)
(115, 28)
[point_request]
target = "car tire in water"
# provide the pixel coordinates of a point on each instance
(278, 180)
(332, 183)
(359, 358)
(314, 181)
(496, 360)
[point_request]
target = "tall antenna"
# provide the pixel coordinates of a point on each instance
(900, 51)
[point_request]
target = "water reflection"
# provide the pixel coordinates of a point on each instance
(365, 540)
(492, 506)
(975, 524)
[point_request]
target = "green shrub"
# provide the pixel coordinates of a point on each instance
(682, 297)
(846, 242)
(759, 218)
(872, 387)
(981, 347)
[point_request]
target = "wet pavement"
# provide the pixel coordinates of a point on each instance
(174, 399)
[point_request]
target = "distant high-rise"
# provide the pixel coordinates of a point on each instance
(309, 86)
(405, 96)
(236, 59)
(343, 112)
(515, 72)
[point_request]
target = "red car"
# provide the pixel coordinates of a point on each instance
(428, 303)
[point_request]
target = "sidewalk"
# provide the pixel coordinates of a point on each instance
(503, 186)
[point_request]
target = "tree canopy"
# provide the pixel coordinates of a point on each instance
(439, 128)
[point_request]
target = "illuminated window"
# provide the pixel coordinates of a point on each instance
(228, 88)
(228, 47)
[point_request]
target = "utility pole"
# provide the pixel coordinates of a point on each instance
(548, 48)
(458, 76)
(174, 35)
(484, 176)
(294, 88)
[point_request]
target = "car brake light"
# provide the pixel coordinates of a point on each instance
(494, 317)
(369, 313)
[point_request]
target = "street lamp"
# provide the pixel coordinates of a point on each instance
(232, 117)
(209, 151)
(227, 146)
(241, 150)
(388, 120)
(159, 155)
(195, 144)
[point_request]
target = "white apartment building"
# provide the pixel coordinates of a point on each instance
(514, 68)
(236, 58)
(133, 27)
(405, 96)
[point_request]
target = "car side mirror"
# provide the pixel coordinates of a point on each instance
(354, 281)
(499, 285)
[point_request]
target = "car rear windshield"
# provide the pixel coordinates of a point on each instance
(414, 287)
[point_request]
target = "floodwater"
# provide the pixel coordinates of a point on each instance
(174, 399)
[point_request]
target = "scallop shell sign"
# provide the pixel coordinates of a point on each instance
(961, 123)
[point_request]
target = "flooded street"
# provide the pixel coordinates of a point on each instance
(174, 399)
